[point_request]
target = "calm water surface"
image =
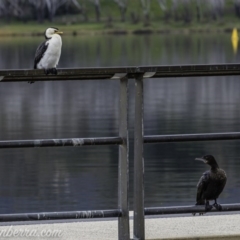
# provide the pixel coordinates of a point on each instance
(58, 179)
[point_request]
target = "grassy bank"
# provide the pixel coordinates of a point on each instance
(182, 16)
(33, 29)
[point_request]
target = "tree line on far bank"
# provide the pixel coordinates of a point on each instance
(186, 11)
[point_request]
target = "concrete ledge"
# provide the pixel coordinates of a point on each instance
(207, 227)
(207, 238)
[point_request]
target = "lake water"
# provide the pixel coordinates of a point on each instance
(62, 179)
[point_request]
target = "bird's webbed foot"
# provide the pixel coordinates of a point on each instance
(208, 207)
(47, 71)
(217, 206)
(54, 71)
(200, 213)
(31, 82)
(50, 70)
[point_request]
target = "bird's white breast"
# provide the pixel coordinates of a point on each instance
(51, 56)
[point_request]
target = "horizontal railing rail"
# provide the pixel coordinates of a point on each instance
(64, 142)
(110, 213)
(188, 209)
(191, 137)
(120, 72)
(60, 215)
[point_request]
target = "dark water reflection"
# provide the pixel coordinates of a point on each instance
(54, 179)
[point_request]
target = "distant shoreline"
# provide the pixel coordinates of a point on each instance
(118, 29)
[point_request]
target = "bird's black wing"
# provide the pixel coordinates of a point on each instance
(40, 52)
(201, 188)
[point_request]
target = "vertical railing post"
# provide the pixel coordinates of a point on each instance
(138, 197)
(123, 169)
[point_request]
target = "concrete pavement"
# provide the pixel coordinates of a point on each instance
(207, 227)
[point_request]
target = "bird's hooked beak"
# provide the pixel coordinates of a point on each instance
(58, 32)
(201, 159)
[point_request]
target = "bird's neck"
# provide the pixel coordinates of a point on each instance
(56, 36)
(214, 167)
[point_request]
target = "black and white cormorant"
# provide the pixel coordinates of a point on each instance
(211, 184)
(48, 53)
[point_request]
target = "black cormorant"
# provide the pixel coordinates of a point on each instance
(48, 53)
(211, 184)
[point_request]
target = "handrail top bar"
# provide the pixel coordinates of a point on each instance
(120, 72)
(127, 69)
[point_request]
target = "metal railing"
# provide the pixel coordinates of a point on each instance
(122, 213)
(122, 74)
(140, 139)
